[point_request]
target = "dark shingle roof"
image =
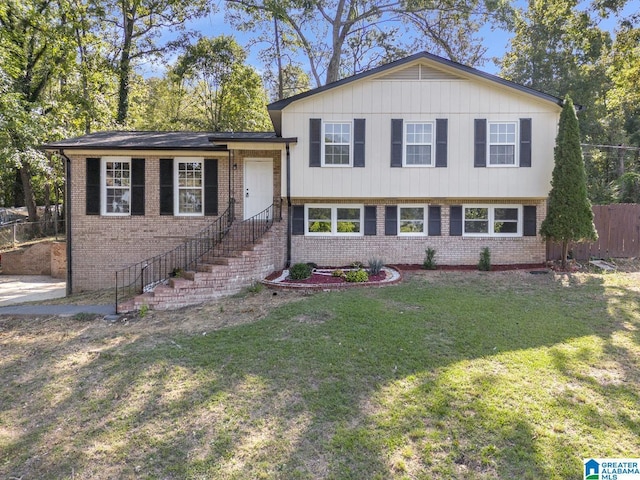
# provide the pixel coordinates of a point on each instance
(132, 140)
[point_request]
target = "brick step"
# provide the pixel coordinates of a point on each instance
(215, 276)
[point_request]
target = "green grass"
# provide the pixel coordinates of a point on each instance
(469, 376)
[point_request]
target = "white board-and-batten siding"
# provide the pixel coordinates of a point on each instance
(460, 101)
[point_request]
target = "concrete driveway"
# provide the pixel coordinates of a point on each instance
(15, 289)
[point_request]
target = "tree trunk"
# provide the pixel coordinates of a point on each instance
(565, 254)
(279, 60)
(29, 197)
(18, 190)
(124, 68)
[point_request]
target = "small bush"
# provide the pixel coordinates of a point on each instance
(256, 287)
(357, 276)
(485, 260)
(375, 266)
(357, 265)
(429, 259)
(338, 272)
(300, 271)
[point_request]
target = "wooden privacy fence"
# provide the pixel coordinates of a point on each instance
(618, 227)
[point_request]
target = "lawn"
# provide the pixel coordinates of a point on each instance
(446, 375)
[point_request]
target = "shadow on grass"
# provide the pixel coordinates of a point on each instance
(442, 377)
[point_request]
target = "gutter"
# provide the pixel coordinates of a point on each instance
(67, 219)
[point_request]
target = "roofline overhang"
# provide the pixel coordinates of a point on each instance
(282, 140)
(207, 148)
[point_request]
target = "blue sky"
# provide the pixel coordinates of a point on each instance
(495, 40)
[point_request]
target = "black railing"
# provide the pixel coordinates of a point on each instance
(222, 237)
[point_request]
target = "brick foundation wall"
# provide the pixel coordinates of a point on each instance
(43, 258)
(457, 250)
(59, 260)
(101, 245)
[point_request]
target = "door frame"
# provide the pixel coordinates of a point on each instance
(246, 173)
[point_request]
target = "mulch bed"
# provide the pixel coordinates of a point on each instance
(320, 279)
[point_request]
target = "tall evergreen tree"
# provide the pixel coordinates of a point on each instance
(569, 214)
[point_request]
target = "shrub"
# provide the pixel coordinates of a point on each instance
(429, 259)
(357, 265)
(300, 271)
(357, 276)
(485, 260)
(375, 266)
(338, 272)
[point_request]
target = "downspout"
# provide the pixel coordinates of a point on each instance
(231, 199)
(289, 210)
(67, 219)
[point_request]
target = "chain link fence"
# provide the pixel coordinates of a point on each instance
(17, 233)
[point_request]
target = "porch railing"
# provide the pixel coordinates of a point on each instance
(222, 237)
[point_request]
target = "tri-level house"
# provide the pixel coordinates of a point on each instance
(419, 153)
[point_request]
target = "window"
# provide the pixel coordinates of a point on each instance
(337, 143)
(189, 186)
(116, 194)
(492, 220)
(502, 143)
(334, 220)
(418, 144)
(411, 220)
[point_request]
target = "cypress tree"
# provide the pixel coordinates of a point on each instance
(569, 214)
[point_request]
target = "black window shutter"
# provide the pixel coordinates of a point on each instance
(370, 227)
(166, 186)
(391, 220)
(315, 142)
(358, 142)
(441, 142)
(211, 186)
(434, 221)
(525, 142)
(455, 221)
(137, 186)
(480, 142)
(93, 186)
(297, 220)
(396, 142)
(529, 227)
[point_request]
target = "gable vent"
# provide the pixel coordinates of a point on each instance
(419, 72)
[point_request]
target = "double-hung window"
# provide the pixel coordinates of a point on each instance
(116, 191)
(489, 220)
(337, 143)
(333, 220)
(502, 143)
(189, 184)
(418, 144)
(411, 220)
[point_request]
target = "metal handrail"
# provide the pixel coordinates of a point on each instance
(222, 237)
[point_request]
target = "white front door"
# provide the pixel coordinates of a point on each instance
(258, 185)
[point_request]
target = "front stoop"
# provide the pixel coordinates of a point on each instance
(214, 278)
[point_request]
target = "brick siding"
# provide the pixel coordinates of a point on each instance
(101, 245)
(457, 250)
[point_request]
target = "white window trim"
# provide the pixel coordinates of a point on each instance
(176, 186)
(103, 185)
(334, 220)
(491, 220)
(425, 221)
(405, 144)
(516, 145)
(322, 153)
